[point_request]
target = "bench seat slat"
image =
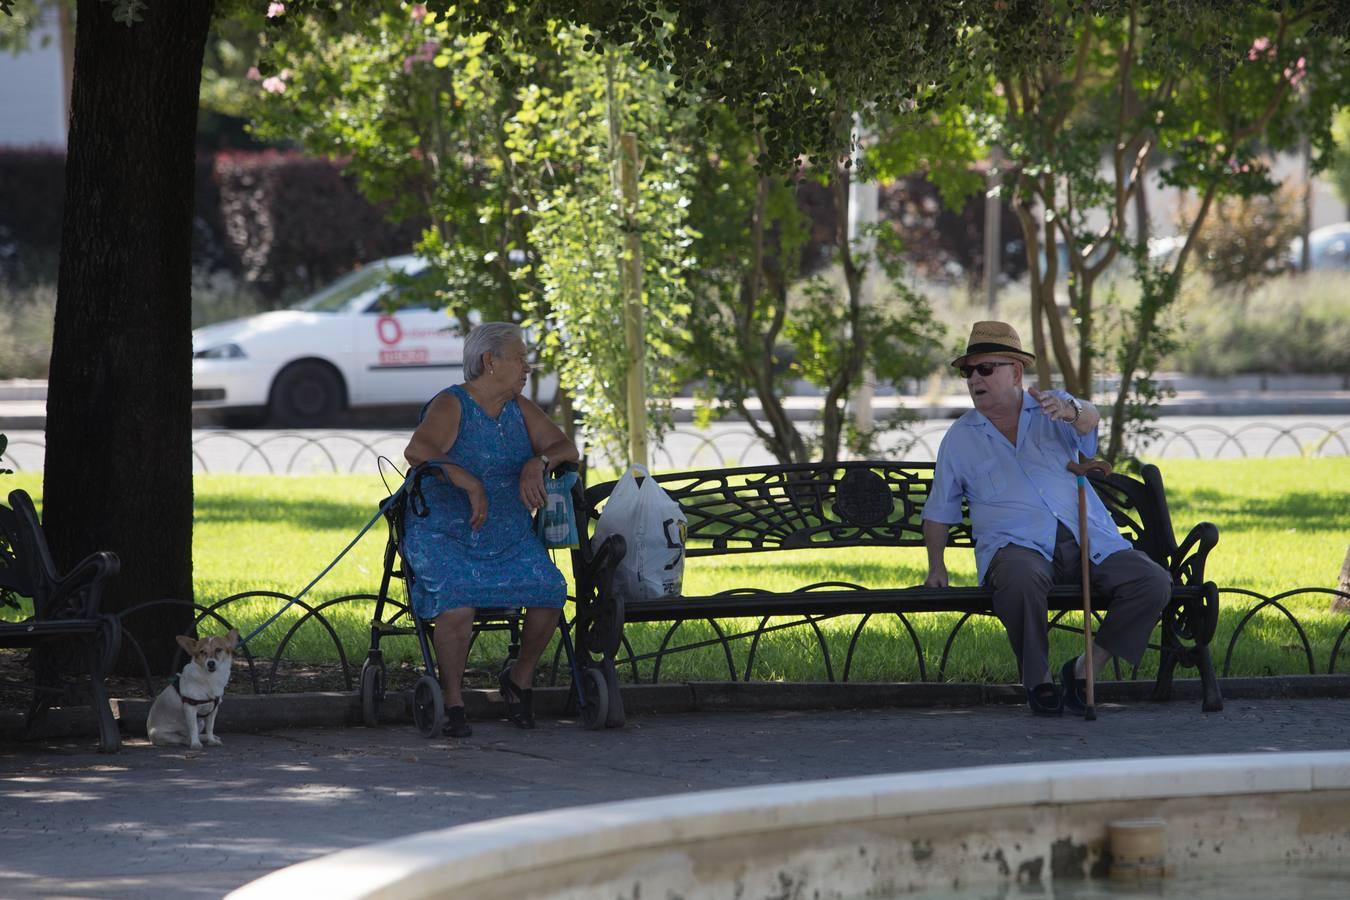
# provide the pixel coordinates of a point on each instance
(49, 626)
(848, 602)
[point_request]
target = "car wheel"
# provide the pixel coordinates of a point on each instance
(306, 393)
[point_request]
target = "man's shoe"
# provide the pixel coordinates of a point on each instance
(455, 723)
(1073, 689)
(1044, 699)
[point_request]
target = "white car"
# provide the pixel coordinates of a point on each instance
(1330, 249)
(334, 350)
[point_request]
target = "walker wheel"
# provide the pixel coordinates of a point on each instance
(428, 706)
(372, 693)
(596, 708)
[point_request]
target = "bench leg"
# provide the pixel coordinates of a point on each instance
(1197, 656)
(1167, 666)
(109, 738)
(100, 656)
(1209, 682)
(614, 717)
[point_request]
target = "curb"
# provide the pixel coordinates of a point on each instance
(325, 709)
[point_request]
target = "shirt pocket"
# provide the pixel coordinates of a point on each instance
(990, 480)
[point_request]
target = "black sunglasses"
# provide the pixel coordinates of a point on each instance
(985, 368)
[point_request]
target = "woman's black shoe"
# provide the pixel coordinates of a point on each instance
(455, 723)
(519, 704)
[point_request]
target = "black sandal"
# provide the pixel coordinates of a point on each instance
(519, 703)
(456, 725)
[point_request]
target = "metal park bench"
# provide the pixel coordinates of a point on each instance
(770, 508)
(67, 630)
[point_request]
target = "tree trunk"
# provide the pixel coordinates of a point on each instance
(842, 381)
(118, 470)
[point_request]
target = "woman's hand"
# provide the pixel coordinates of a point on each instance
(532, 491)
(478, 502)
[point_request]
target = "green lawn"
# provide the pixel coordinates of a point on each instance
(1283, 524)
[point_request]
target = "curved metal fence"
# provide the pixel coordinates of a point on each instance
(321, 646)
(325, 452)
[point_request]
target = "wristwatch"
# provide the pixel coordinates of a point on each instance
(1077, 409)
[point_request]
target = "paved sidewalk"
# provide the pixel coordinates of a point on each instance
(165, 822)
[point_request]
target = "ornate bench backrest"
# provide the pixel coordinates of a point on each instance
(844, 504)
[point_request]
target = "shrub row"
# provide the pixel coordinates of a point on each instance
(282, 222)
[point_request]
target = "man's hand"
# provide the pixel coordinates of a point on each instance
(1052, 406)
(935, 542)
(532, 491)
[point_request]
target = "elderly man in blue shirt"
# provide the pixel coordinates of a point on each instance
(1007, 457)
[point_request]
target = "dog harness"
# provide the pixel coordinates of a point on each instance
(193, 701)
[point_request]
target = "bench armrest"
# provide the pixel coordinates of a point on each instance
(77, 594)
(1188, 562)
(80, 591)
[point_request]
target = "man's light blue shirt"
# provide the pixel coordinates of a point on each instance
(1018, 495)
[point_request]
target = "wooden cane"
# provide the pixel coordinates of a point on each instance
(1081, 469)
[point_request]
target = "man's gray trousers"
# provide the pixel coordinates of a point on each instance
(1138, 589)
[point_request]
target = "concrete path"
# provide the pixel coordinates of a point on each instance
(161, 822)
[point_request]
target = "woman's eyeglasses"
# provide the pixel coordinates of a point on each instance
(985, 369)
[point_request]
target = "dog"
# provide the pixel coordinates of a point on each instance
(185, 711)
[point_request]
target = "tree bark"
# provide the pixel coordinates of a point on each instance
(118, 471)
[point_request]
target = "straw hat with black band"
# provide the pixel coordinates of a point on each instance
(994, 337)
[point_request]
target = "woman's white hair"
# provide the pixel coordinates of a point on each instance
(490, 337)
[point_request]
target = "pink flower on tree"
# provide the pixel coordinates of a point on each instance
(418, 12)
(275, 9)
(424, 53)
(1295, 73)
(1260, 47)
(274, 85)
(254, 74)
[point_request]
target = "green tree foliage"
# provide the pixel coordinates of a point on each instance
(505, 149)
(1195, 93)
(563, 137)
(1338, 160)
(1191, 90)
(756, 325)
(792, 72)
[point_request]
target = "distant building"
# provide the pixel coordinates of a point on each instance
(32, 104)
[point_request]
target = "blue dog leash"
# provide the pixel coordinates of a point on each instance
(413, 474)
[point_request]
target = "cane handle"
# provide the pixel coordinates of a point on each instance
(1089, 465)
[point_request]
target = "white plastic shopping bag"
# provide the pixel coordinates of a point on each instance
(654, 527)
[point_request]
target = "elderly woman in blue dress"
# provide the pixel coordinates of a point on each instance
(474, 548)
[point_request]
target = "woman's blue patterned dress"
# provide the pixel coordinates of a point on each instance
(502, 564)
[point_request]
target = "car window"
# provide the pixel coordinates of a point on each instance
(1336, 252)
(337, 295)
(407, 297)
